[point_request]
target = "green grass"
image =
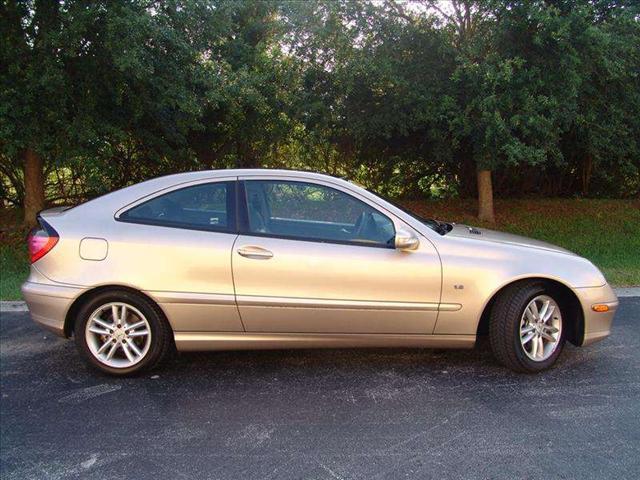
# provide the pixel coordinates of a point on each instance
(607, 232)
(14, 268)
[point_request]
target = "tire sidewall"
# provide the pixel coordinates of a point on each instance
(134, 300)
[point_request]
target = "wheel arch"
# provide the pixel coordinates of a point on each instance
(570, 304)
(89, 294)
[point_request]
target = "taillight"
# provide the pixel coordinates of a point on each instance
(41, 240)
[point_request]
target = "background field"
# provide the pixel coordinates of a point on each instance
(607, 232)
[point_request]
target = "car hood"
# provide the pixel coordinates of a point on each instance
(475, 233)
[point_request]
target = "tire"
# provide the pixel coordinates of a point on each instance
(513, 313)
(134, 351)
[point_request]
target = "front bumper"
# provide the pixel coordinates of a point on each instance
(49, 304)
(597, 325)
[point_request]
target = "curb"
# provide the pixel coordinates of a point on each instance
(627, 292)
(13, 306)
(20, 306)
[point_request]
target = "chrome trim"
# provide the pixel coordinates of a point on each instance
(260, 301)
(253, 251)
(192, 298)
(197, 341)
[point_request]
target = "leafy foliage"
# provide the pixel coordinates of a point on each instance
(408, 98)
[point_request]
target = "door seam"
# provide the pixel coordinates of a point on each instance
(233, 281)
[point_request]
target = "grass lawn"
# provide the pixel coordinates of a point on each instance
(14, 268)
(607, 232)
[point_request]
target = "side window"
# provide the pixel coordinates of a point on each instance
(208, 206)
(314, 212)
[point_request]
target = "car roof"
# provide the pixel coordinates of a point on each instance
(176, 178)
(119, 198)
(108, 205)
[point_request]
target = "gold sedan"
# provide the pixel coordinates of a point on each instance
(254, 259)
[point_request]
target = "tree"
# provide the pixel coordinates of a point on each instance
(374, 85)
(602, 139)
(460, 97)
(247, 84)
(84, 79)
(32, 90)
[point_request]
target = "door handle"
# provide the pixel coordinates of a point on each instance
(258, 253)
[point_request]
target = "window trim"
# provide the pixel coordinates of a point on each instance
(232, 209)
(243, 215)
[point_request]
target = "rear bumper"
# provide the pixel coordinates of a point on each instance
(49, 304)
(597, 325)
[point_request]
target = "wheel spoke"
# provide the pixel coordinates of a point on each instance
(114, 346)
(136, 325)
(99, 331)
(134, 348)
(104, 346)
(551, 329)
(127, 352)
(114, 314)
(540, 346)
(139, 333)
(543, 310)
(528, 338)
(534, 309)
(527, 329)
(102, 323)
(529, 314)
(123, 315)
(547, 337)
(549, 313)
(534, 347)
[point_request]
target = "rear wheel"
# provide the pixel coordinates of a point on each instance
(526, 330)
(122, 333)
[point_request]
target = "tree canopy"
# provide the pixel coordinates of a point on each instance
(414, 98)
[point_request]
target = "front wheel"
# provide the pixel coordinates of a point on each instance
(526, 330)
(121, 333)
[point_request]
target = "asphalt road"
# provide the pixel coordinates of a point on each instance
(332, 414)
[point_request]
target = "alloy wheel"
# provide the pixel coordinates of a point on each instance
(541, 328)
(118, 335)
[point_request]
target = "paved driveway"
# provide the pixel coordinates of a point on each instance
(321, 414)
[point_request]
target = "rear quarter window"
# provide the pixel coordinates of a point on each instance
(207, 206)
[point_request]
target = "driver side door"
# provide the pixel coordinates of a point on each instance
(314, 258)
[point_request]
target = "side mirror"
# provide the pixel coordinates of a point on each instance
(406, 240)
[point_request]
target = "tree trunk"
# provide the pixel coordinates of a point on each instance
(485, 197)
(587, 169)
(33, 186)
(467, 186)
